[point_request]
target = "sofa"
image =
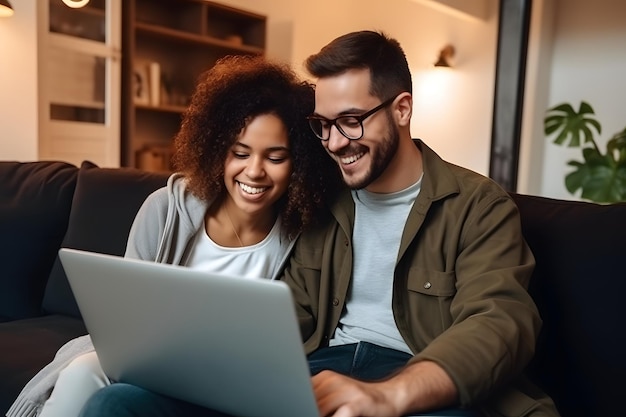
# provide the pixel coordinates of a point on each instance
(43, 206)
(578, 283)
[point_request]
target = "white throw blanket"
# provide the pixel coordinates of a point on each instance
(37, 391)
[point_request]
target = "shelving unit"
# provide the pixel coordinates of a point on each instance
(173, 42)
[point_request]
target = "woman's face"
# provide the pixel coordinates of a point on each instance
(258, 166)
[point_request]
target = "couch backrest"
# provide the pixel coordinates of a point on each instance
(35, 201)
(579, 285)
(104, 206)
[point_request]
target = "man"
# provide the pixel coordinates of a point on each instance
(411, 298)
(423, 257)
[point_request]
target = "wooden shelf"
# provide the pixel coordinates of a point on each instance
(165, 108)
(178, 40)
(184, 37)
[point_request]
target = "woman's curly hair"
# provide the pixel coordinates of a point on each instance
(227, 97)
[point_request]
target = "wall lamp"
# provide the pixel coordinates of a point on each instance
(75, 4)
(6, 9)
(445, 55)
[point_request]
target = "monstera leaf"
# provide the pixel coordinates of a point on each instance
(600, 177)
(566, 123)
(617, 146)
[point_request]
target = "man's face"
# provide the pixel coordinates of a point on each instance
(362, 161)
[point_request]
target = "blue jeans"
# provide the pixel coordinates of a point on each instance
(363, 361)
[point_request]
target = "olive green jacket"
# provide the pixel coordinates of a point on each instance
(459, 286)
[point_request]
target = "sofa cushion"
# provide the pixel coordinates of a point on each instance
(35, 200)
(27, 346)
(105, 203)
(579, 286)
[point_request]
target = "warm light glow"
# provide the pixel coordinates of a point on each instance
(433, 89)
(433, 96)
(6, 9)
(75, 4)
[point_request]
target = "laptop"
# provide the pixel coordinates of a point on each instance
(226, 343)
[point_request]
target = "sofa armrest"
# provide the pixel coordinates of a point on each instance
(579, 286)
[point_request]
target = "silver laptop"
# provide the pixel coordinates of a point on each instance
(227, 343)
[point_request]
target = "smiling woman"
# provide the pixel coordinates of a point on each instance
(242, 98)
(251, 176)
(256, 175)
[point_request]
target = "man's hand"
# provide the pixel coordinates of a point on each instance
(341, 396)
(418, 387)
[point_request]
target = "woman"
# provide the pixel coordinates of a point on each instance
(249, 178)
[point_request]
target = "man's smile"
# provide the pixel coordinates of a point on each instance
(351, 159)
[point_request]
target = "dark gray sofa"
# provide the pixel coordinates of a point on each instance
(579, 282)
(43, 206)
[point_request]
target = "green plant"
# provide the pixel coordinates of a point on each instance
(601, 177)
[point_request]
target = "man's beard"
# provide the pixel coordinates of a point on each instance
(380, 160)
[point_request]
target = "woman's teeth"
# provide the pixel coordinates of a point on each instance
(251, 190)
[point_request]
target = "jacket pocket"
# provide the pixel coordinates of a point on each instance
(432, 283)
(430, 294)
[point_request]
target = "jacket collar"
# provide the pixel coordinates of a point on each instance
(438, 180)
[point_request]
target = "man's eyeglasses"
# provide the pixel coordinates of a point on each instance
(349, 126)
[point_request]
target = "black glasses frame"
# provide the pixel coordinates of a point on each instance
(313, 119)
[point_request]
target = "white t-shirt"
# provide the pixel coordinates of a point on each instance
(378, 227)
(262, 260)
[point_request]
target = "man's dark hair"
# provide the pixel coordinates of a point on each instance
(228, 97)
(383, 56)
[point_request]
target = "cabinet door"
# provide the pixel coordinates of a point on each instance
(80, 82)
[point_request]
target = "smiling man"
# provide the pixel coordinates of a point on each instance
(413, 297)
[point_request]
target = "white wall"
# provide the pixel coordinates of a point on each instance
(582, 56)
(452, 110)
(576, 53)
(18, 83)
